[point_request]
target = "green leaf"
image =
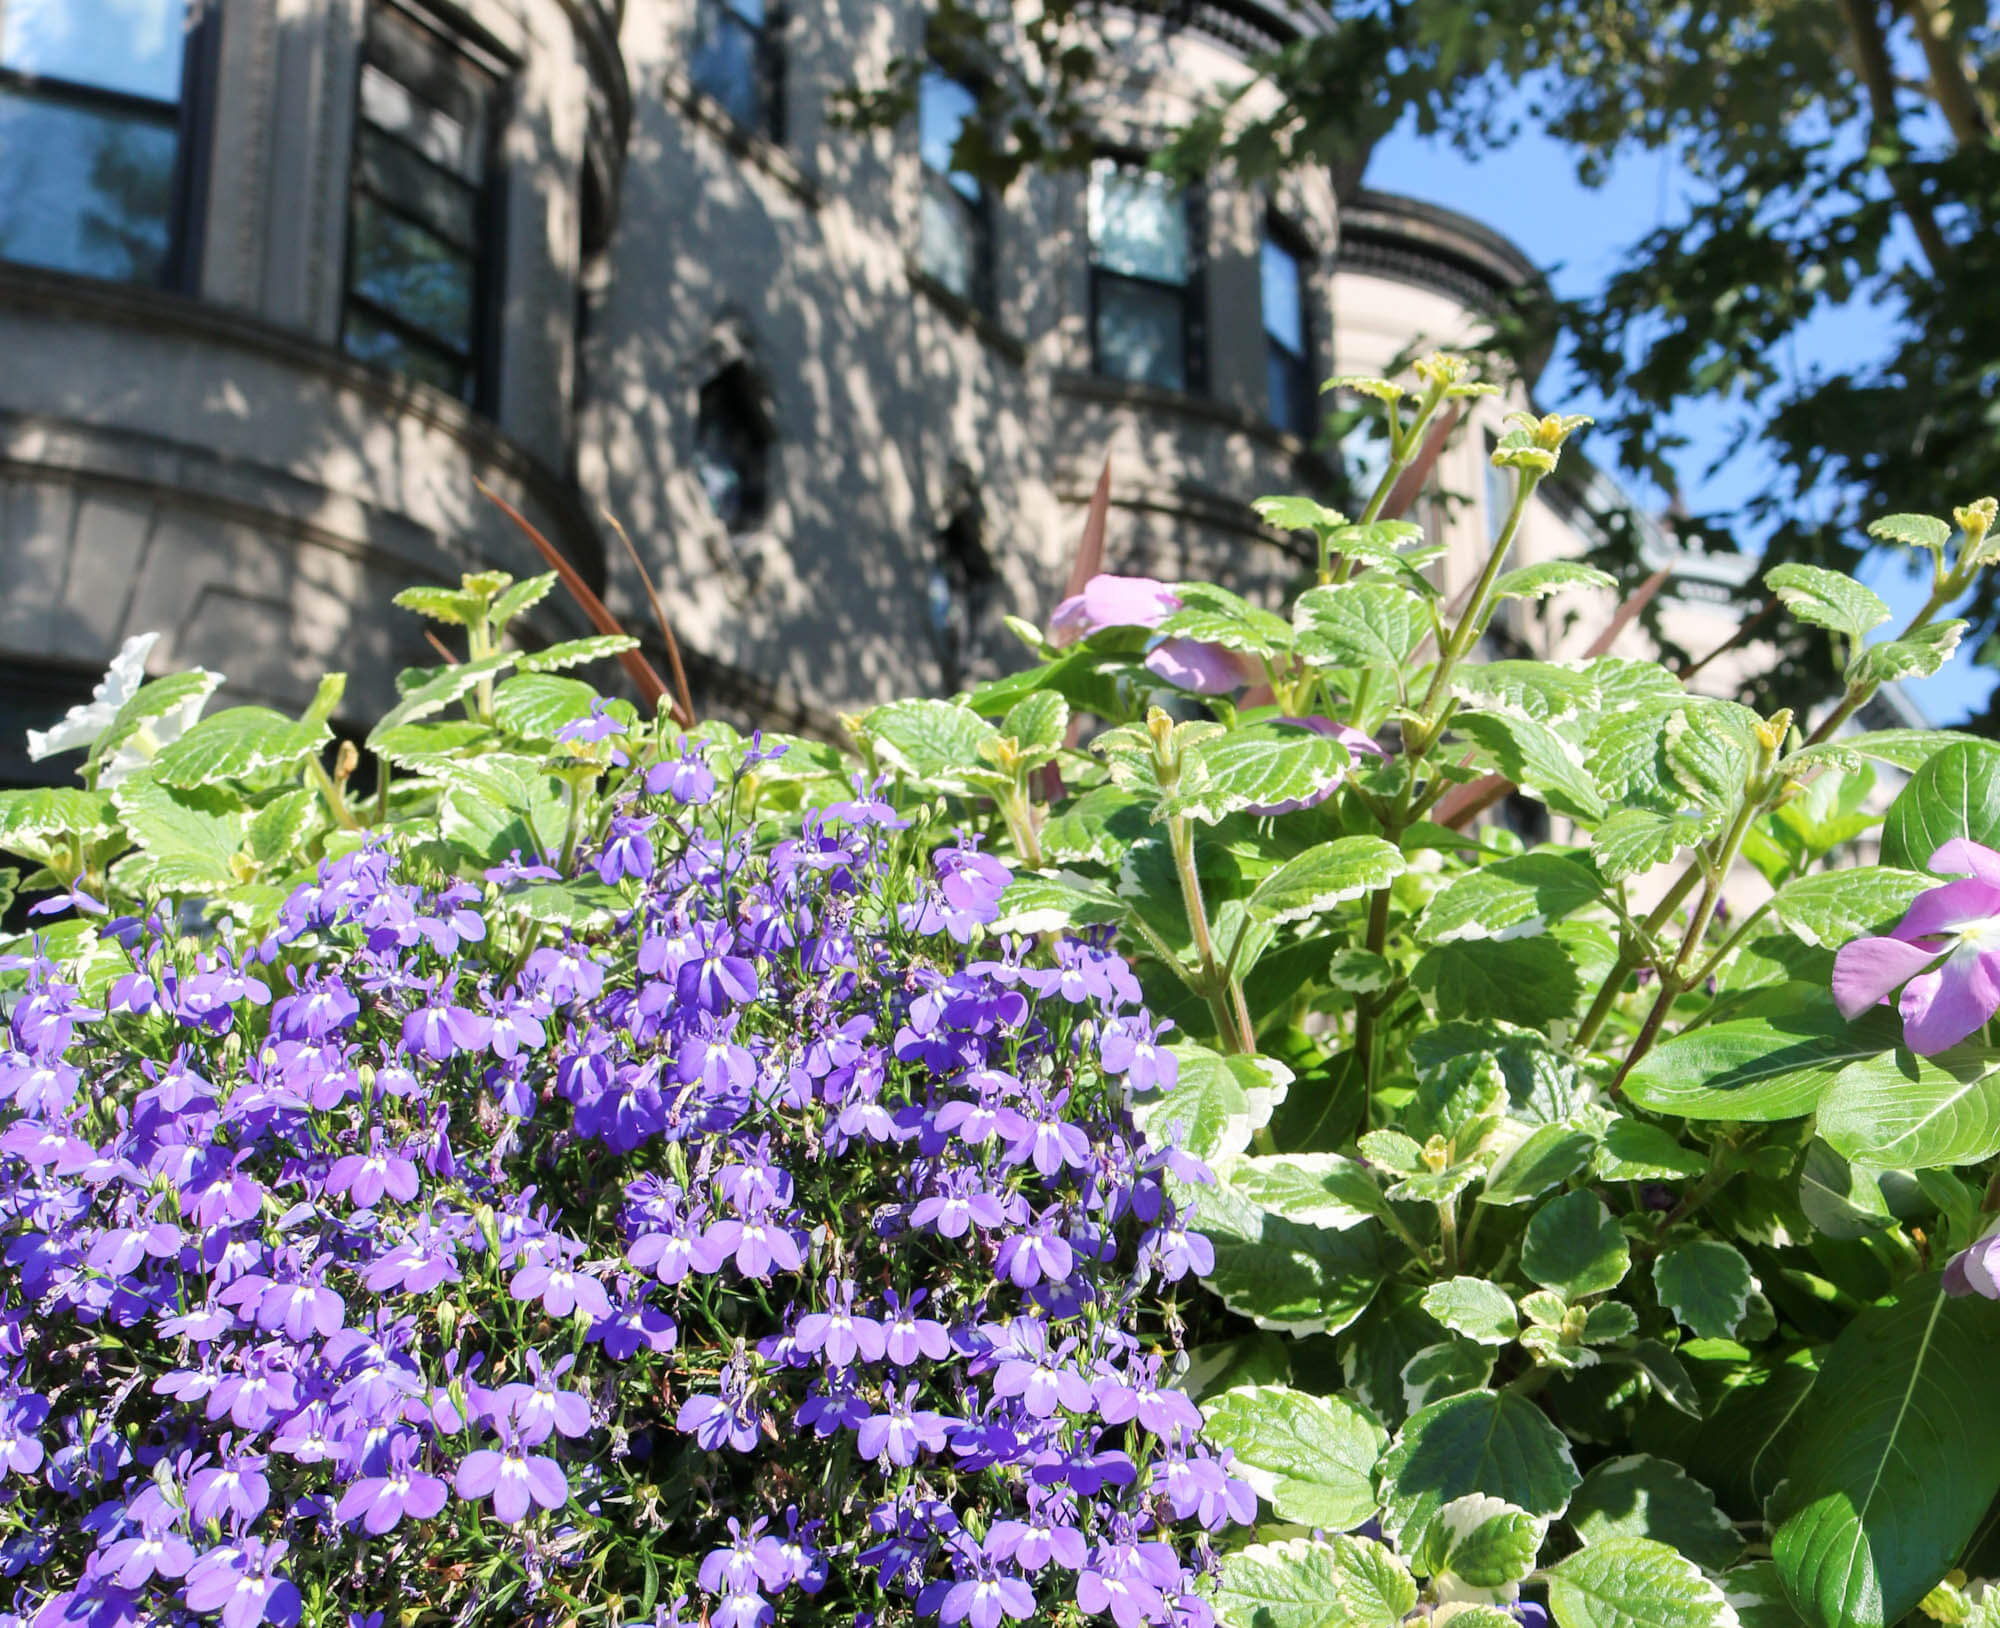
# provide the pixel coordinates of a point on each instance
(184, 693)
(1289, 513)
(1096, 828)
(1239, 627)
(1706, 1284)
(1038, 722)
(1636, 1151)
(1827, 599)
(1664, 1372)
(1709, 749)
(40, 811)
(1530, 981)
(438, 692)
(533, 706)
(411, 743)
(1955, 794)
(1917, 530)
(1572, 1244)
(1313, 1189)
(1484, 1542)
(1449, 1368)
(1548, 577)
(1898, 1460)
(1324, 876)
(277, 828)
(1496, 1442)
(193, 834)
(930, 741)
(1047, 902)
(1898, 1111)
(1630, 1582)
(1834, 906)
(1535, 689)
(574, 652)
(1915, 655)
(235, 744)
(581, 906)
(1758, 1068)
(500, 804)
(1283, 1276)
(1215, 1104)
(1338, 1582)
(1757, 1594)
(1480, 1310)
(1311, 1458)
(1511, 898)
(1842, 1200)
(1536, 759)
(1549, 1155)
(1907, 749)
(1359, 624)
(521, 598)
(453, 606)
(1461, 1102)
(1256, 767)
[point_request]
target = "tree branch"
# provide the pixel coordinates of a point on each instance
(1951, 86)
(1871, 52)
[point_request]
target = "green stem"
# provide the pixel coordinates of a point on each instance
(1020, 820)
(330, 794)
(1467, 632)
(1448, 1235)
(1628, 961)
(1225, 1000)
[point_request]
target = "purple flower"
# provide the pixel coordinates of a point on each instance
(906, 1336)
(1975, 1270)
(241, 1581)
(561, 1291)
(1108, 601)
(687, 779)
(839, 1333)
(1204, 669)
(378, 1502)
(716, 1421)
(1130, 1046)
(902, 1430)
(158, 1551)
(515, 1479)
(627, 850)
(985, 1601)
(365, 1177)
(1944, 955)
(20, 1447)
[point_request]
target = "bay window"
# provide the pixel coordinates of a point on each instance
(1144, 288)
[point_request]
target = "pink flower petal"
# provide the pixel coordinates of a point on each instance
(1108, 601)
(1868, 969)
(1942, 1008)
(1946, 909)
(1206, 669)
(1963, 857)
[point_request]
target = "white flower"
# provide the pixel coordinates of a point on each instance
(81, 725)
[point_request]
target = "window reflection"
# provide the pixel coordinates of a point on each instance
(1287, 342)
(1142, 277)
(736, 58)
(416, 226)
(89, 134)
(955, 222)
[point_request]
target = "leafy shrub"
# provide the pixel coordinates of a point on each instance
(1577, 1235)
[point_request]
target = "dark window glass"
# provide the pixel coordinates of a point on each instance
(732, 447)
(955, 226)
(737, 59)
(1142, 278)
(90, 143)
(959, 592)
(1287, 345)
(416, 293)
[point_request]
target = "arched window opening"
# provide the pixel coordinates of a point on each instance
(960, 589)
(733, 438)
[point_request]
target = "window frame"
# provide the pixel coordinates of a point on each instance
(482, 356)
(191, 116)
(1291, 241)
(978, 214)
(1192, 292)
(767, 59)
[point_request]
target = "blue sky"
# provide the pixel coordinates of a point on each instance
(1576, 234)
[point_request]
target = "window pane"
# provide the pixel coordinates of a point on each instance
(446, 205)
(373, 341)
(724, 64)
(943, 106)
(1290, 395)
(951, 242)
(412, 274)
(442, 138)
(1141, 333)
(133, 46)
(83, 190)
(1138, 223)
(1284, 311)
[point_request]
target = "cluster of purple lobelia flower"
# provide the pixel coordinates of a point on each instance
(767, 1247)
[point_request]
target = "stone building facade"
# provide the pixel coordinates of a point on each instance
(283, 283)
